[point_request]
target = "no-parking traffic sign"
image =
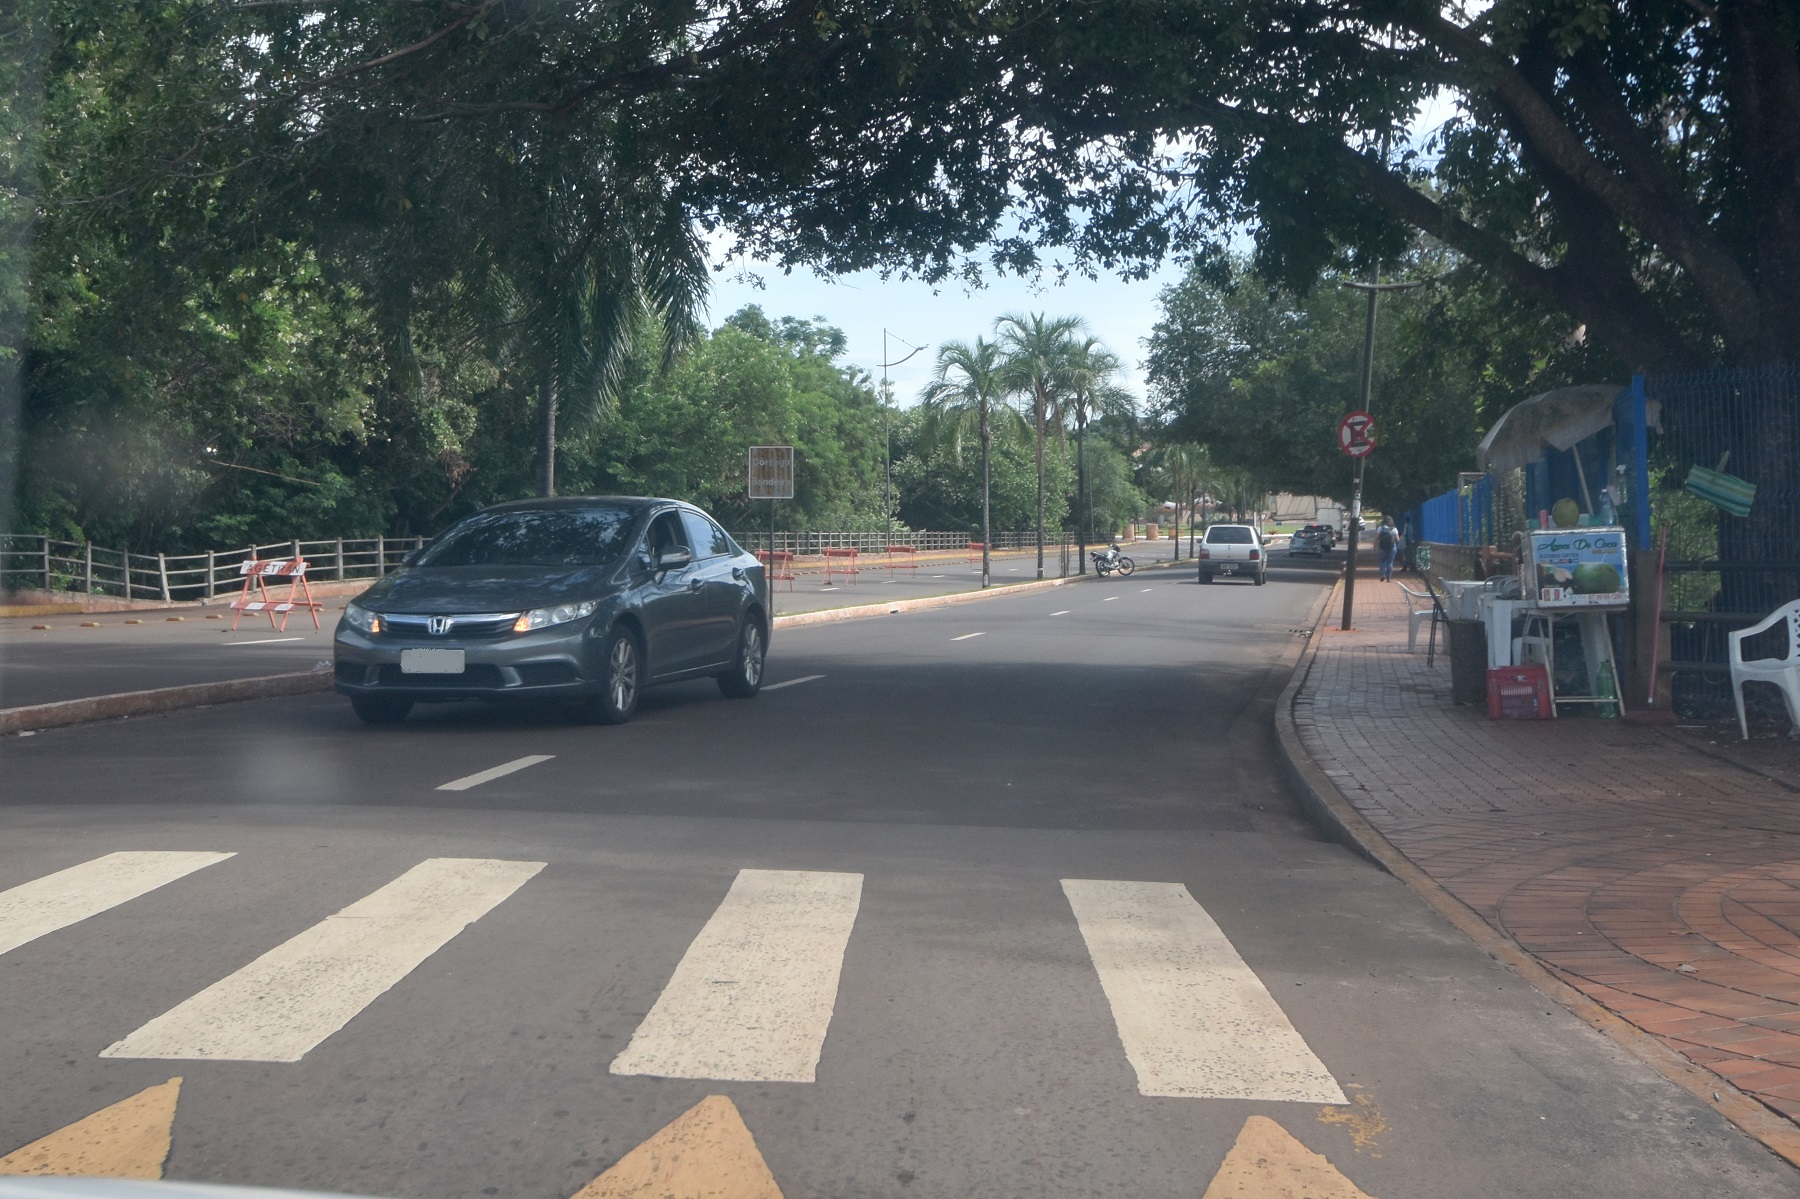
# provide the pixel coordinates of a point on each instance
(1356, 433)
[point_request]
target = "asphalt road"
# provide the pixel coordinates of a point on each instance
(78, 656)
(1013, 884)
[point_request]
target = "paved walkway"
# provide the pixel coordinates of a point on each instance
(1660, 881)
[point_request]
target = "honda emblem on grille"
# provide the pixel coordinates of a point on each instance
(439, 625)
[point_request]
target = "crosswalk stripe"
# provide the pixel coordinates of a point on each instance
(494, 772)
(70, 896)
(1194, 1018)
(752, 998)
(291, 998)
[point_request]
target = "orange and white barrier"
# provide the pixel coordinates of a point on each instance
(902, 557)
(841, 561)
(257, 574)
(781, 570)
(975, 548)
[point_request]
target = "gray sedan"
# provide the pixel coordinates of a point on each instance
(587, 599)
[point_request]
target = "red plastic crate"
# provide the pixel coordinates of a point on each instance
(1518, 693)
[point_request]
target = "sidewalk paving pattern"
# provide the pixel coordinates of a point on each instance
(1661, 882)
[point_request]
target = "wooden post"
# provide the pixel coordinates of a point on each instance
(162, 575)
(296, 544)
(340, 559)
(380, 556)
(88, 569)
(46, 563)
(212, 570)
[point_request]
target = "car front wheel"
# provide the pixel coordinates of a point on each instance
(622, 676)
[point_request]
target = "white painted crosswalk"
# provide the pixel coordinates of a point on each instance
(44, 905)
(1194, 1018)
(752, 998)
(293, 997)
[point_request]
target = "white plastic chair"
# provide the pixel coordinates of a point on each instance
(1417, 615)
(1783, 672)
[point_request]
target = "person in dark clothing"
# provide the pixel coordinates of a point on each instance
(1387, 544)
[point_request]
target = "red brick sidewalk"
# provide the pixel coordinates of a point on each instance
(1661, 882)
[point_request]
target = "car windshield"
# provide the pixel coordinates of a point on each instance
(1229, 534)
(535, 537)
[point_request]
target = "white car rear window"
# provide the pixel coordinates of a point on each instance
(1230, 535)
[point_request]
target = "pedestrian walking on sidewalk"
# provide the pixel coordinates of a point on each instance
(1387, 544)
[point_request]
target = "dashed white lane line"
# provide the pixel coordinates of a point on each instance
(264, 641)
(805, 678)
(288, 1000)
(966, 636)
(1141, 590)
(1195, 1020)
(1064, 612)
(1109, 599)
(752, 998)
(494, 772)
(44, 905)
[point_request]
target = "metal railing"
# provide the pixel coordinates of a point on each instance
(32, 561)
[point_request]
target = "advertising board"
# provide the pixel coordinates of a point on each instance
(1576, 568)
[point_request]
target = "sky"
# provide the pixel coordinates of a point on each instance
(1120, 314)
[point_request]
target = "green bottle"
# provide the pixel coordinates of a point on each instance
(1603, 684)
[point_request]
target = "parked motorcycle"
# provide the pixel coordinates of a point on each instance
(1108, 560)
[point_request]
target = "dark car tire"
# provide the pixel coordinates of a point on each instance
(1262, 576)
(621, 679)
(745, 677)
(381, 709)
(1206, 576)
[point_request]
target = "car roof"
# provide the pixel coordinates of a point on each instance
(546, 503)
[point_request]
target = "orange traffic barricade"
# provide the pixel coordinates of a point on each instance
(975, 548)
(257, 575)
(779, 571)
(902, 557)
(841, 561)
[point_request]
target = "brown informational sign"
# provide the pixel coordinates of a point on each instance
(771, 472)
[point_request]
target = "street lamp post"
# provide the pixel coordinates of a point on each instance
(1373, 288)
(887, 424)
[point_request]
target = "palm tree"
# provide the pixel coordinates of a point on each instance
(1036, 366)
(966, 388)
(1190, 469)
(607, 271)
(1091, 392)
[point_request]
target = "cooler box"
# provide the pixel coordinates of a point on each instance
(1518, 693)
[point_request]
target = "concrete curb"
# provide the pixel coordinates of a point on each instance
(1338, 818)
(160, 699)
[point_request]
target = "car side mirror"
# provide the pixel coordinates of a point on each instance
(673, 557)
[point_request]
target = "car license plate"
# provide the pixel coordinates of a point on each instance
(1228, 569)
(431, 661)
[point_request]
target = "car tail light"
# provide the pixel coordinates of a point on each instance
(1255, 554)
(1205, 553)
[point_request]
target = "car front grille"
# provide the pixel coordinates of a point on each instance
(485, 626)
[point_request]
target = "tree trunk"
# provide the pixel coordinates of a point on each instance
(546, 438)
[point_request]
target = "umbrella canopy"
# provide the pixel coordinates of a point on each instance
(1555, 420)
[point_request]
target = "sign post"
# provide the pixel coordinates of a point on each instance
(1356, 437)
(771, 477)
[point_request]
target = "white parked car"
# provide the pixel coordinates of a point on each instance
(1233, 550)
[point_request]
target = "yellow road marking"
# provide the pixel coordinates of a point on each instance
(1362, 1119)
(130, 1139)
(706, 1153)
(1268, 1163)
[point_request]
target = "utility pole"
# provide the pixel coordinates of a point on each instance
(1373, 288)
(887, 424)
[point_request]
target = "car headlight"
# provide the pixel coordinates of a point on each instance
(362, 618)
(543, 618)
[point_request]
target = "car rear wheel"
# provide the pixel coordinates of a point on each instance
(381, 709)
(622, 677)
(1262, 576)
(1206, 576)
(744, 679)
